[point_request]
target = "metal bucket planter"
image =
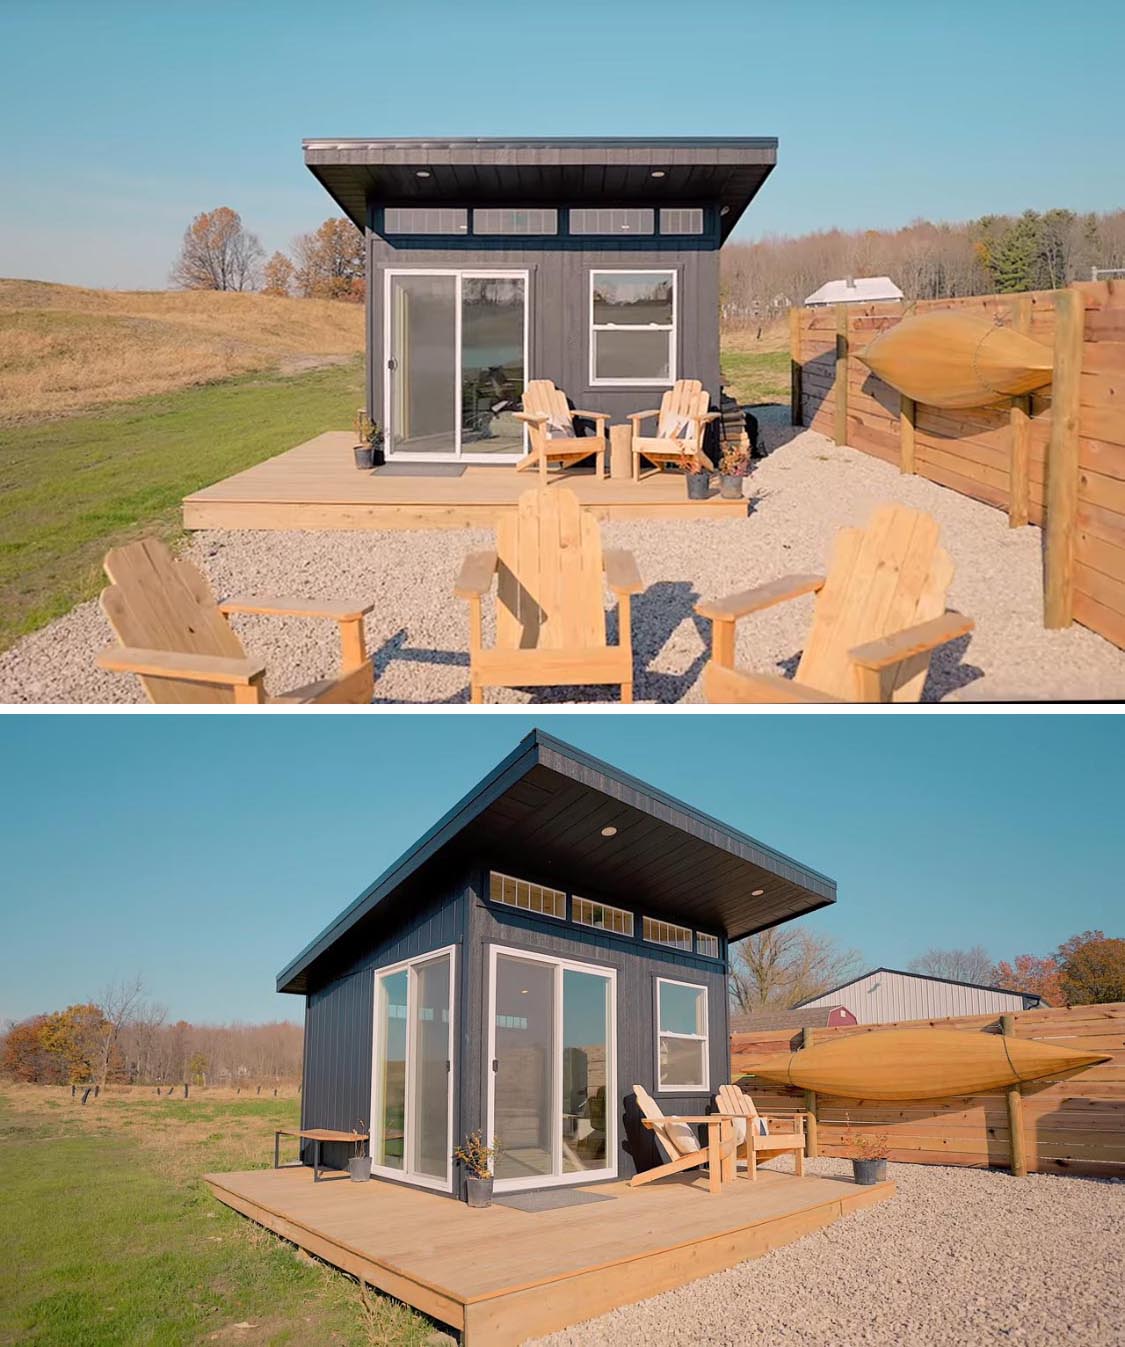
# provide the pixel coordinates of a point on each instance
(698, 485)
(478, 1192)
(730, 486)
(869, 1171)
(359, 1168)
(364, 457)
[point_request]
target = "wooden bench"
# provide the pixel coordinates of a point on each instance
(317, 1135)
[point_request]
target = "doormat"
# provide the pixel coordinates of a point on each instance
(419, 470)
(548, 1201)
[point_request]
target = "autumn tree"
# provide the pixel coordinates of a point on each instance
(74, 1037)
(787, 965)
(962, 965)
(218, 253)
(278, 275)
(1092, 969)
(1033, 975)
(331, 261)
(24, 1057)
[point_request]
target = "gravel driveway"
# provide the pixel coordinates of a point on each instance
(958, 1258)
(803, 492)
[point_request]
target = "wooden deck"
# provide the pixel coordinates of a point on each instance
(500, 1276)
(316, 486)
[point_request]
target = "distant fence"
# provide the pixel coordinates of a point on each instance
(1072, 1125)
(1068, 476)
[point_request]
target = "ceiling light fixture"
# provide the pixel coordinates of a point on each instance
(611, 831)
(422, 173)
(657, 173)
(725, 210)
(756, 893)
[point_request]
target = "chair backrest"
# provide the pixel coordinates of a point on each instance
(882, 578)
(159, 602)
(550, 588)
(541, 396)
(686, 397)
(731, 1099)
(675, 1139)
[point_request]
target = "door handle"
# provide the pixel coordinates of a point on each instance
(392, 363)
(496, 1063)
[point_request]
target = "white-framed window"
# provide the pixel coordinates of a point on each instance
(665, 933)
(633, 327)
(681, 220)
(530, 897)
(707, 944)
(512, 220)
(601, 916)
(607, 220)
(425, 220)
(682, 1058)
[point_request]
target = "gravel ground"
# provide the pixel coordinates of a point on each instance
(958, 1258)
(803, 492)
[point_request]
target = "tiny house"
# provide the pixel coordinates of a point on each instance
(592, 263)
(560, 935)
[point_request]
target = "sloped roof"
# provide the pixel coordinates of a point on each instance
(859, 289)
(922, 977)
(546, 804)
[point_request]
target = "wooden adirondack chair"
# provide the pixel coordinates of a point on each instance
(677, 1139)
(177, 639)
(879, 616)
(683, 417)
(752, 1146)
(550, 608)
(551, 426)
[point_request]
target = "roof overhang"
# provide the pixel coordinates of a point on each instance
(726, 171)
(542, 811)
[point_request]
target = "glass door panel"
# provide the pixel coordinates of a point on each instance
(587, 1070)
(524, 1113)
(422, 361)
(391, 1020)
(432, 1069)
(492, 363)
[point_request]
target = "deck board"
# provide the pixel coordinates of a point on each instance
(314, 486)
(503, 1275)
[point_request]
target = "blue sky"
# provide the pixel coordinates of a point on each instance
(204, 852)
(123, 119)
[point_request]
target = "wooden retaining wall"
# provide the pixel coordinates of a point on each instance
(1072, 1125)
(1000, 455)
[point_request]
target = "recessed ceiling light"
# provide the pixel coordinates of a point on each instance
(523, 991)
(725, 210)
(756, 893)
(422, 173)
(611, 831)
(657, 173)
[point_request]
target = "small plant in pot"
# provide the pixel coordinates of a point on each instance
(369, 442)
(697, 473)
(359, 1165)
(476, 1159)
(734, 468)
(868, 1153)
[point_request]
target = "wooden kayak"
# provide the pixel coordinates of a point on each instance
(920, 1064)
(957, 360)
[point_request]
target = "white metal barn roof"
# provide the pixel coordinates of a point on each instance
(855, 290)
(888, 994)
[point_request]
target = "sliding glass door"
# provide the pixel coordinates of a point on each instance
(456, 347)
(553, 1089)
(412, 1076)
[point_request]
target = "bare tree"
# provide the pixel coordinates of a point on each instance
(963, 965)
(218, 253)
(116, 1004)
(787, 965)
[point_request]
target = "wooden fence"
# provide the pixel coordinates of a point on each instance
(1056, 458)
(1074, 1124)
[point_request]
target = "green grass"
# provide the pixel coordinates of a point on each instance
(110, 1237)
(70, 489)
(757, 376)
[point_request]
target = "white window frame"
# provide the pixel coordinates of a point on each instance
(689, 948)
(630, 934)
(407, 1174)
(704, 1087)
(527, 911)
(612, 1098)
(707, 935)
(673, 328)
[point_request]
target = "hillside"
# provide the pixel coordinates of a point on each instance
(64, 349)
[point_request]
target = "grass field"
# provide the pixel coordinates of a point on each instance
(756, 363)
(111, 1237)
(75, 487)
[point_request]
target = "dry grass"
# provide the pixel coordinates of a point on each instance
(65, 350)
(757, 340)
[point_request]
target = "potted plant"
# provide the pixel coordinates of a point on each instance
(698, 475)
(369, 442)
(476, 1157)
(734, 466)
(868, 1152)
(359, 1165)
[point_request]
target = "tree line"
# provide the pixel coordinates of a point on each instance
(121, 1037)
(996, 254)
(788, 965)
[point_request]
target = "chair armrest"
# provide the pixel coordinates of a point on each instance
(637, 417)
(189, 668)
(693, 1120)
(704, 418)
(532, 418)
(475, 579)
(754, 600)
(343, 611)
(590, 416)
(621, 571)
(914, 640)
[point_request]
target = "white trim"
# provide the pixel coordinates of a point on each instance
(457, 455)
(673, 328)
(531, 911)
(407, 1174)
(705, 1038)
(606, 971)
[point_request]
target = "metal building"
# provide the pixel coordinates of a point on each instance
(888, 994)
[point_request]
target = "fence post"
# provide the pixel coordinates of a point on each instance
(795, 412)
(1015, 1113)
(812, 1141)
(906, 414)
(1062, 460)
(1019, 421)
(840, 387)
